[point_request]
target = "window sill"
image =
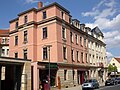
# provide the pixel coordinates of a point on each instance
(44, 38)
(16, 45)
(45, 60)
(64, 39)
(25, 42)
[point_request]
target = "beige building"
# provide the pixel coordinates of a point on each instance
(97, 54)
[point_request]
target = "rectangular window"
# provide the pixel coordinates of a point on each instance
(16, 25)
(82, 57)
(76, 37)
(44, 15)
(25, 54)
(63, 33)
(3, 41)
(25, 19)
(44, 32)
(62, 15)
(64, 53)
(16, 55)
(85, 42)
(16, 40)
(3, 51)
(86, 58)
(7, 51)
(72, 54)
(77, 56)
(65, 74)
(25, 36)
(45, 54)
(80, 40)
(71, 37)
(73, 71)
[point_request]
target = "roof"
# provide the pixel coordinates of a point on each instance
(97, 31)
(4, 32)
(118, 59)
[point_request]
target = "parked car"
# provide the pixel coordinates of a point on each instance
(111, 81)
(90, 84)
(117, 79)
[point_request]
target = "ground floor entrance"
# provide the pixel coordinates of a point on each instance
(13, 74)
(11, 77)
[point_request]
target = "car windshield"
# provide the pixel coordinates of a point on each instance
(88, 81)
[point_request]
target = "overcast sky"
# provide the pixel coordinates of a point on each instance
(102, 13)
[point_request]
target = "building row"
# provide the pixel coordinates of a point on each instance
(61, 49)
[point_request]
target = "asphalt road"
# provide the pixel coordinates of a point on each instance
(114, 87)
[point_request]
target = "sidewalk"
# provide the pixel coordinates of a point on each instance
(73, 88)
(70, 88)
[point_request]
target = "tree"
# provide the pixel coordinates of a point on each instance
(112, 68)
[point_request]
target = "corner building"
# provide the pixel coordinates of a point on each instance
(34, 30)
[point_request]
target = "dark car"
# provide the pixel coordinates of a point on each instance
(110, 81)
(90, 84)
(117, 80)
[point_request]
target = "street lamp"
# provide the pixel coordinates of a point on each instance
(48, 46)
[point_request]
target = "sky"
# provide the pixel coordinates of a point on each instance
(102, 13)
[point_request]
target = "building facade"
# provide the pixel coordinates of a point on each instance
(115, 62)
(53, 41)
(4, 43)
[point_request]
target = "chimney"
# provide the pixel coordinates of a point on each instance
(40, 5)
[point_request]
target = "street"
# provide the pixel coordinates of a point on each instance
(114, 87)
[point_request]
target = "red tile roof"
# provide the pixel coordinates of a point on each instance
(118, 59)
(4, 32)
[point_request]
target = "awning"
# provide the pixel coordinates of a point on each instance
(52, 66)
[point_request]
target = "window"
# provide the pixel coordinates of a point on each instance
(73, 71)
(85, 42)
(25, 19)
(44, 32)
(82, 57)
(64, 53)
(16, 40)
(45, 54)
(86, 58)
(25, 53)
(72, 54)
(71, 37)
(7, 51)
(76, 36)
(16, 55)
(25, 36)
(16, 25)
(3, 51)
(80, 40)
(65, 74)
(3, 40)
(62, 15)
(63, 33)
(77, 55)
(44, 15)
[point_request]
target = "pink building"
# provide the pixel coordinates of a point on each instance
(34, 29)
